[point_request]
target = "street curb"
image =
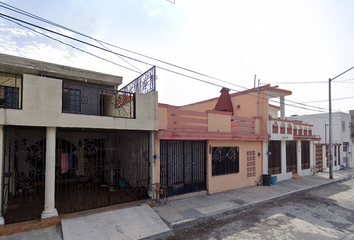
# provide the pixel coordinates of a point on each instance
(158, 236)
(180, 225)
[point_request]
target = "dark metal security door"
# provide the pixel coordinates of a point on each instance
(291, 157)
(305, 154)
(24, 174)
(182, 166)
(274, 157)
(100, 168)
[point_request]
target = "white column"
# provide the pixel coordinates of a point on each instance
(282, 107)
(283, 156)
(49, 190)
(298, 147)
(312, 158)
(1, 170)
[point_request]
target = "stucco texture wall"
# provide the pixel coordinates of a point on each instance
(248, 102)
(236, 180)
(42, 106)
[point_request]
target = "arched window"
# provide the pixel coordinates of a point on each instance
(305, 131)
(310, 132)
(289, 129)
(275, 127)
(300, 131)
(295, 130)
(282, 128)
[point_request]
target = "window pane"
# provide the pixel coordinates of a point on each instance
(71, 100)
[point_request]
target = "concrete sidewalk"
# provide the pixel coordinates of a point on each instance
(191, 211)
(179, 214)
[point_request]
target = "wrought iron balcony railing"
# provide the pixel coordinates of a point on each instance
(90, 99)
(143, 84)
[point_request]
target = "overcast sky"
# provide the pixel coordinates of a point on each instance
(281, 42)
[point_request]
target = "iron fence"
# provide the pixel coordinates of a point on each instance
(143, 84)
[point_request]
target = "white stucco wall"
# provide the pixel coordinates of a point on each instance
(339, 135)
(42, 106)
(319, 120)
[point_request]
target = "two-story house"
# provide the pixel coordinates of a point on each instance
(213, 145)
(290, 149)
(70, 140)
(229, 142)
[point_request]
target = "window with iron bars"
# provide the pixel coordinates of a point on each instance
(71, 100)
(10, 90)
(225, 160)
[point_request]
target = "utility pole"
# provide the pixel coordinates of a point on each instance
(330, 123)
(330, 132)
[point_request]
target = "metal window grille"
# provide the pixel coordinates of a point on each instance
(225, 160)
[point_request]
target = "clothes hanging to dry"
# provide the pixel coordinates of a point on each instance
(64, 162)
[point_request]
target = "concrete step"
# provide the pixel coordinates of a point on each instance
(296, 176)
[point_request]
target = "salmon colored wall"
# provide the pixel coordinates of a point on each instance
(201, 107)
(248, 107)
(236, 180)
(219, 122)
(162, 116)
(247, 102)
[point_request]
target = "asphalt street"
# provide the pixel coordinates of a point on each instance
(323, 213)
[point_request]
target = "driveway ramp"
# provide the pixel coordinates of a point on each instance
(138, 222)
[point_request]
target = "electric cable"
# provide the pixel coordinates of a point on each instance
(83, 42)
(99, 41)
(12, 8)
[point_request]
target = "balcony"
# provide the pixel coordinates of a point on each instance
(90, 99)
(289, 130)
(176, 123)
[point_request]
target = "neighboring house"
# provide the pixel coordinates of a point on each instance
(290, 149)
(341, 138)
(213, 145)
(70, 141)
(229, 142)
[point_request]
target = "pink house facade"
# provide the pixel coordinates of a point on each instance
(213, 145)
(225, 143)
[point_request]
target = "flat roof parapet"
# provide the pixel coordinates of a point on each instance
(20, 65)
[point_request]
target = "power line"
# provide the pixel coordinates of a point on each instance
(315, 82)
(332, 100)
(12, 8)
(79, 49)
(9, 7)
(92, 45)
(83, 42)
